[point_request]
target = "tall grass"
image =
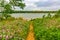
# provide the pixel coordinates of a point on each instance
(47, 28)
(16, 29)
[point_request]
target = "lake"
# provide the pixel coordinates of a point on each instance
(29, 16)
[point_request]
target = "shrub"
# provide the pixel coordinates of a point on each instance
(44, 32)
(13, 30)
(49, 15)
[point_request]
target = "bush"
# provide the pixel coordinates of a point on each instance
(5, 16)
(13, 30)
(44, 32)
(47, 34)
(49, 15)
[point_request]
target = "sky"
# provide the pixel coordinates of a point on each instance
(41, 5)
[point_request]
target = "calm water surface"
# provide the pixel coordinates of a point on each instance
(29, 16)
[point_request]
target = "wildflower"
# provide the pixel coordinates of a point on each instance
(0, 36)
(7, 37)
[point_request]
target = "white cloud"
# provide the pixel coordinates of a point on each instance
(43, 0)
(30, 5)
(47, 8)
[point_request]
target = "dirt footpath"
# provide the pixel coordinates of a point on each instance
(31, 33)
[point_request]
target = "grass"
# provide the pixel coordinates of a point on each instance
(15, 29)
(47, 29)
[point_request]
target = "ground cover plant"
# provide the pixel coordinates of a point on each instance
(13, 29)
(47, 28)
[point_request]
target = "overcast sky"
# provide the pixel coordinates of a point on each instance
(42, 4)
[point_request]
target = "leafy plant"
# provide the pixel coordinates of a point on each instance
(46, 29)
(14, 30)
(49, 15)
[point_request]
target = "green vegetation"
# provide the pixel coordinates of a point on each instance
(13, 29)
(7, 7)
(47, 28)
(57, 14)
(31, 11)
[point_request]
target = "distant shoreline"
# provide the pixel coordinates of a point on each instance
(31, 12)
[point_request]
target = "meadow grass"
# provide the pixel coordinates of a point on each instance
(13, 29)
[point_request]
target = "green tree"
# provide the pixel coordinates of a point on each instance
(7, 6)
(18, 3)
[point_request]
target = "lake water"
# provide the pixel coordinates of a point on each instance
(29, 16)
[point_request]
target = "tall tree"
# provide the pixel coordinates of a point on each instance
(8, 6)
(18, 3)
